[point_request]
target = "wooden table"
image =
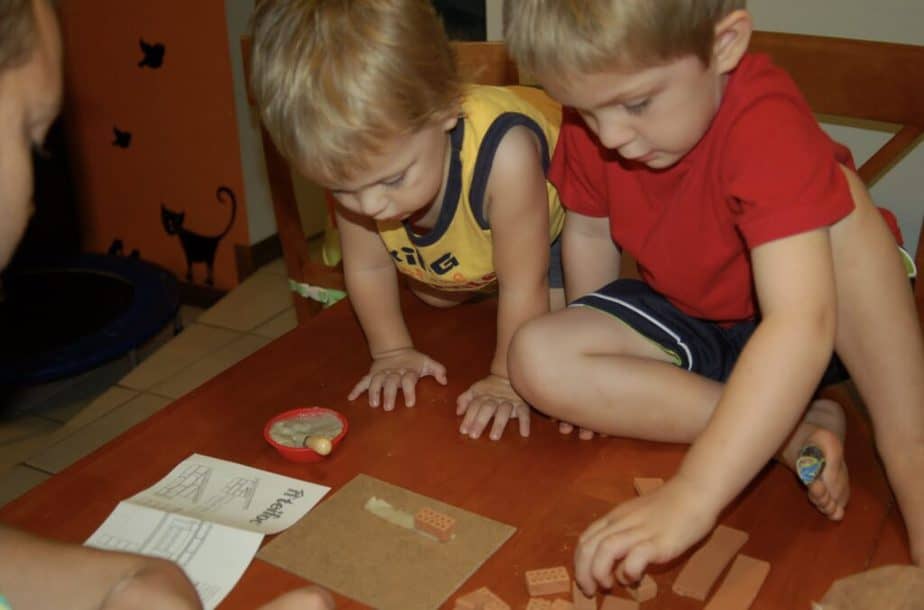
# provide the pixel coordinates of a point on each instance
(548, 486)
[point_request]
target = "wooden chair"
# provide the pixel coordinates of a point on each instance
(857, 79)
(481, 62)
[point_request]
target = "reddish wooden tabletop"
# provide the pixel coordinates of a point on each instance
(548, 486)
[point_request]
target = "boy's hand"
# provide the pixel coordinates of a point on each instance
(492, 397)
(654, 528)
(583, 433)
(396, 369)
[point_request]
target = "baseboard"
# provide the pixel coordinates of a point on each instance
(250, 258)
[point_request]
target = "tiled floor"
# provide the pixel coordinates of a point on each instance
(47, 428)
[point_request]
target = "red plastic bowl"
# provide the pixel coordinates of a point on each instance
(304, 454)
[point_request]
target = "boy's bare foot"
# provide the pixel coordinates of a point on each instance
(822, 427)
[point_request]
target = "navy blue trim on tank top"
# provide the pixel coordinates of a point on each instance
(450, 196)
(485, 160)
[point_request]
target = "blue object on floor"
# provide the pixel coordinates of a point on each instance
(60, 318)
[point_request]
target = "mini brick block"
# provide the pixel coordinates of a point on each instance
(705, 566)
(434, 523)
(644, 590)
(537, 603)
(562, 604)
(618, 603)
(646, 485)
(474, 600)
(493, 602)
(548, 581)
(581, 601)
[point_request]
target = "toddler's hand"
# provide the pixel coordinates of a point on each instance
(654, 528)
(397, 369)
(492, 397)
(583, 433)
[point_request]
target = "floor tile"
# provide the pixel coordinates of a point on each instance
(86, 439)
(194, 343)
(24, 438)
(195, 375)
(278, 267)
(258, 299)
(279, 325)
(104, 403)
(17, 481)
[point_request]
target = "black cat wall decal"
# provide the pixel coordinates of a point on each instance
(117, 248)
(122, 139)
(198, 248)
(153, 55)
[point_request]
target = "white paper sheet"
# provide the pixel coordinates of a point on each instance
(209, 516)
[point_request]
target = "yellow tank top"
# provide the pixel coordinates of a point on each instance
(458, 252)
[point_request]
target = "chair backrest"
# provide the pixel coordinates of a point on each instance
(858, 79)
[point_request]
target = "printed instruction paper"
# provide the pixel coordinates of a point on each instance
(209, 516)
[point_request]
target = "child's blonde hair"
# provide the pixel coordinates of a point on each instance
(17, 32)
(334, 78)
(548, 36)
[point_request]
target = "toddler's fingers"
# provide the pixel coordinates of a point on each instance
(487, 407)
(375, 389)
(408, 385)
(584, 434)
(468, 422)
(390, 390)
(462, 402)
(612, 548)
(501, 417)
(437, 371)
(522, 413)
(359, 388)
(564, 427)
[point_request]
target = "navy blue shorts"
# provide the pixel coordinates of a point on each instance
(698, 345)
(555, 271)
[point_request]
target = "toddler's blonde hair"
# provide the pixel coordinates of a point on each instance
(554, 36)
(334, 78)
(17, 32)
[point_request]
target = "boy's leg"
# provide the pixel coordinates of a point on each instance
(879, 340)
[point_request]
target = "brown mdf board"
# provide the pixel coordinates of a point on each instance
(342, 546)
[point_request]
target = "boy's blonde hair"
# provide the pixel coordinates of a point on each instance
(334, 78)
(548, 36)
(17, 32)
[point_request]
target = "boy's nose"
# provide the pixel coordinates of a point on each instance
(613, 135)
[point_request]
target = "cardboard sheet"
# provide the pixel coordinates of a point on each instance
(342, 546)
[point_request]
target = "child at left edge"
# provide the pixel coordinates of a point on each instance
(443, 181)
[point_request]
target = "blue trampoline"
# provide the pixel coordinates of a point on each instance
(64, 317)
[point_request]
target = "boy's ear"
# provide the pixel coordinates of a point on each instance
(450, 121)
(732, 35)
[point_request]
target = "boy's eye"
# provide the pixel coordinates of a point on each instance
(637, 107)
(397, 180)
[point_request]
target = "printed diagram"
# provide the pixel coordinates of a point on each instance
(175, 537)
(190, 484)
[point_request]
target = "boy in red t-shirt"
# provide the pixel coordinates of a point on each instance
(761, 255)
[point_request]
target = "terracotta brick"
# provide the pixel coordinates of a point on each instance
(537, 603)
(548, 581)
(493, 602)
(473, 600)
(581, 601)
(646, 485)
(740, 587)
(435, 523)
(706, 564)
(618, 603)
(644, 590)
(562, 604)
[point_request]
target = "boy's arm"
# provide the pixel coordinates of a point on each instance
(518, 212)
(589, 257)
(41, 574)
(768, 390)
(372, 284)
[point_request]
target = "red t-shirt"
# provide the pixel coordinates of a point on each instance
(764, 170)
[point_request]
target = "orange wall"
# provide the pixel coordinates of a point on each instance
(181, 116)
